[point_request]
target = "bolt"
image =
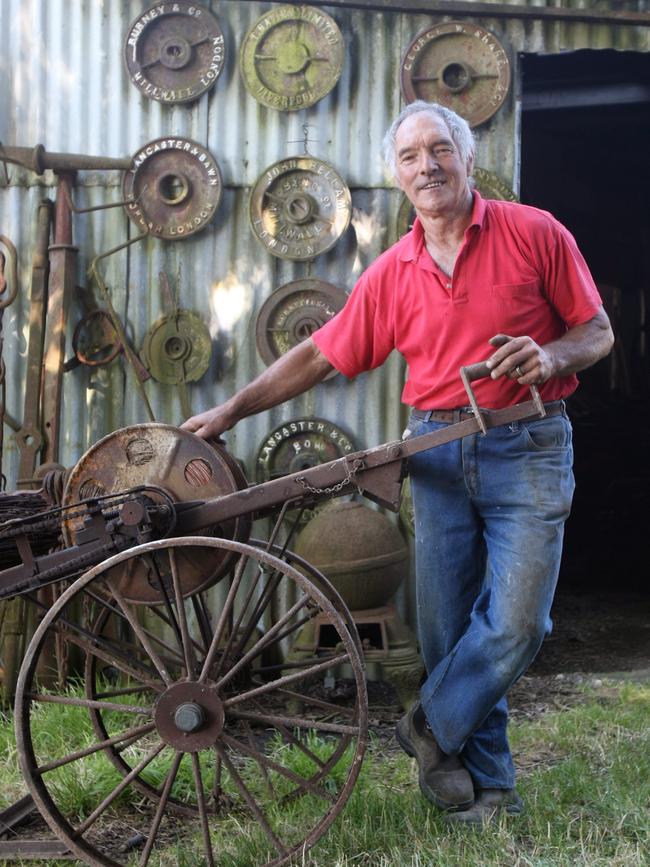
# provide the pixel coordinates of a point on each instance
(189, 717)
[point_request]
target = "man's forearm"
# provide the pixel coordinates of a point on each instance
(581, 346)
(297, 371)
(523, 359)
(293, 373)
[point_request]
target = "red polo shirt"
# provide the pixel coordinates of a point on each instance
(518, 272)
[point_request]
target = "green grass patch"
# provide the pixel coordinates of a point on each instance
(586, 786)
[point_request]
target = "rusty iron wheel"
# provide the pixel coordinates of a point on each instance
(201, 704)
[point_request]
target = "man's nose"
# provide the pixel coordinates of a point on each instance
(428, 162)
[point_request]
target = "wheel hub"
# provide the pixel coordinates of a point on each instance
(189, 716)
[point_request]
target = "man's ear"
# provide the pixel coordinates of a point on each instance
(470, 165)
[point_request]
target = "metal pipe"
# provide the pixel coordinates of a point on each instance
(63, 274)
(38, 160)
(492, 10)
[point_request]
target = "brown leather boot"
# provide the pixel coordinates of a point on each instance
(443, 779)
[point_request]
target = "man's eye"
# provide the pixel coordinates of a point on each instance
(443, 151)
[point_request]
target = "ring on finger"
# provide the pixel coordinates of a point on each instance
(519, 371)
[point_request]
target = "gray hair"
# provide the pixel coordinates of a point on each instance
(461, 134)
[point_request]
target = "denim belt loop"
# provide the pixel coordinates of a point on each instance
(427, 417)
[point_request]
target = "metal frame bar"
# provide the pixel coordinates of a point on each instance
(491, 10)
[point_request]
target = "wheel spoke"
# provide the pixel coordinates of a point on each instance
(144, 641)
(317, 702)
(188, 651)
(108, 800)
(223, 619)
(160, 810)
(127, 739)
(296, 722)
(252, 803)
(48, 698)
(76, 634)
(264, 641)
(203, 621)
(127, 690)
(287, 773)
(150, 635)
(289, 678)
(203, 815)
(139, 674)
(166, 600)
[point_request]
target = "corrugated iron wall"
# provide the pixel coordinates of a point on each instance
(64, 84)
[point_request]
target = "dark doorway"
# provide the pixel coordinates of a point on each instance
(585, 157)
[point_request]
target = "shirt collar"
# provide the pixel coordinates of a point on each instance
(413, 242)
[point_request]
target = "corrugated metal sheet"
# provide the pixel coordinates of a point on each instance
(64, 84)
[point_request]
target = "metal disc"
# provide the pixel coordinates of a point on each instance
(292, 57)
(184, 465)
(174, 52)
(489, 185)
(299, 208)
(175, 184)
(298, 444)
(460, 65)
(177, 348)
(292, 313)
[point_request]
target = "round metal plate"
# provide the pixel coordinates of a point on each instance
(185, 466)
(174, 52)
(299, 208)
(177, 348)
(292, 313)
(292, 57)
(299, 444)
(460, 65)
(175, 184)
(489, 185)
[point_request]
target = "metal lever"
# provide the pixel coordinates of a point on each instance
(480, 370)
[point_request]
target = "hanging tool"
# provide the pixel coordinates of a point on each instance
(130, 355)
(30, 438)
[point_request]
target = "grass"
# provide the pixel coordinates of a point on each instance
(586, 785)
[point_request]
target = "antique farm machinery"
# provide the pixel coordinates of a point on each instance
(190, 666)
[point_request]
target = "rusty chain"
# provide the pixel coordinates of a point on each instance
(334, 489)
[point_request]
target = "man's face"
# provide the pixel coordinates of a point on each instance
(430, 170)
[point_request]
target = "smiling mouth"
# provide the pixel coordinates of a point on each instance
(432, 185)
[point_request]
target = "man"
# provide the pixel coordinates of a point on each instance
(489, 510)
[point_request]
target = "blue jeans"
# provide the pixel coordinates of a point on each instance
(489, 521)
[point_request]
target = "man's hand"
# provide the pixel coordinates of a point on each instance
(209, 424)
(521, 358)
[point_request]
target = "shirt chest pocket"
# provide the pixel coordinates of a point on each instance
(516, 306)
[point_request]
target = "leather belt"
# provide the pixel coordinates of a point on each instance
(453, 416)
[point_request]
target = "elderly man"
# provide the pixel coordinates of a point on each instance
(471, 275)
